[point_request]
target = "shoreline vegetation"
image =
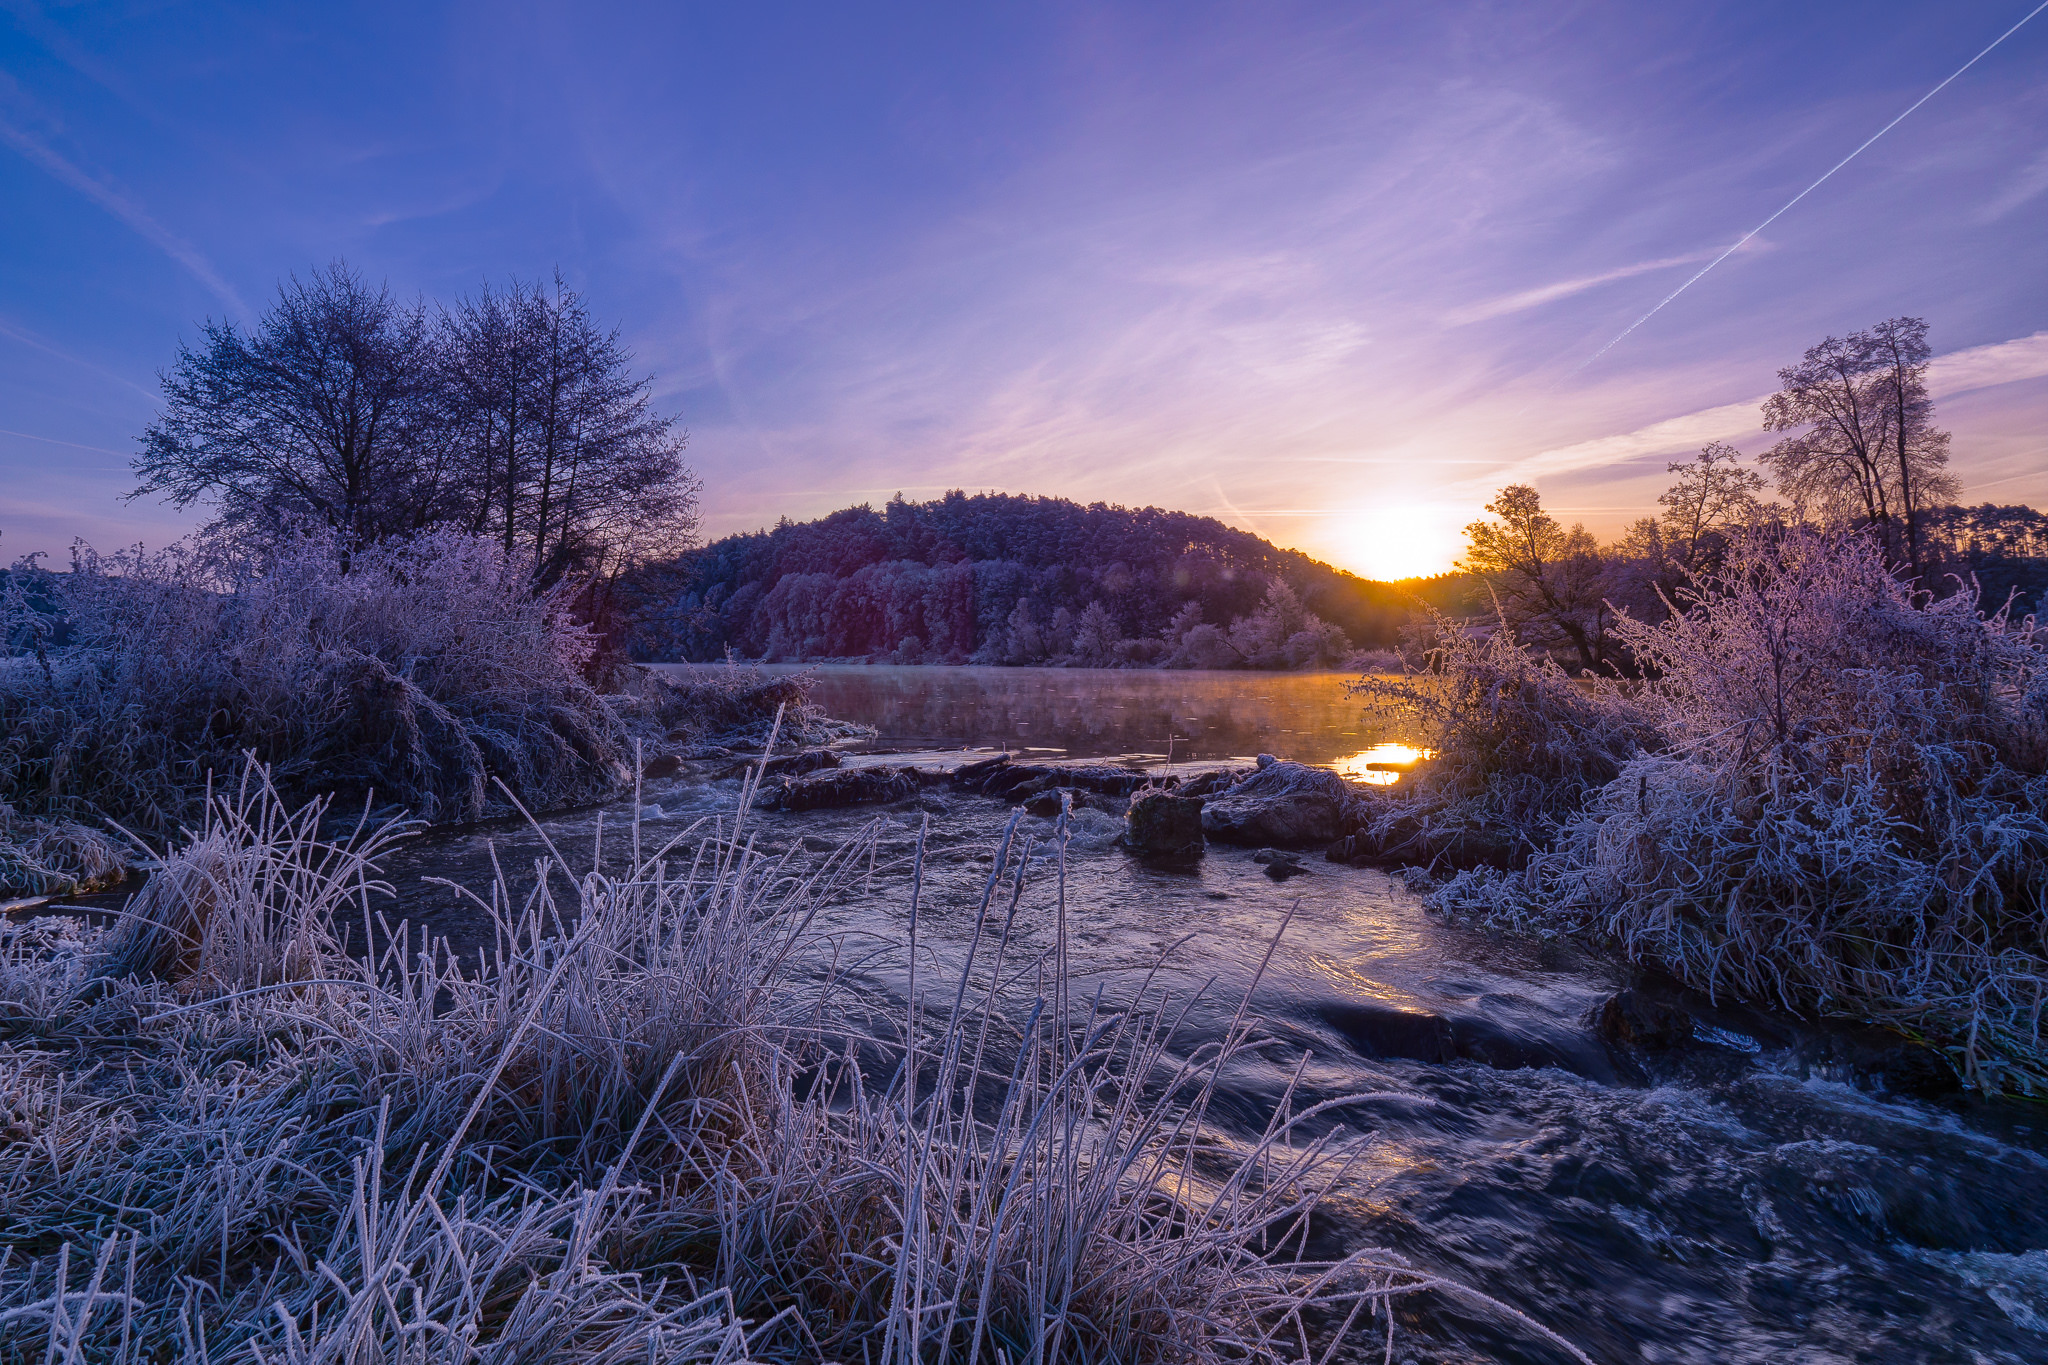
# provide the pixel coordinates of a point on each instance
(654, 1120)
(1827, 793)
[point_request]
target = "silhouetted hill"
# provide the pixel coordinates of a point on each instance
(996, 578)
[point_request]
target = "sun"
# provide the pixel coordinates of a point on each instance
(1403, 540)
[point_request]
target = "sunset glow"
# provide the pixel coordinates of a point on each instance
(1380, 764)
(1402, 541)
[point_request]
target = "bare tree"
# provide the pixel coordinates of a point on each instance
(1866, 450)
(1547, 581)
(1712, 495)
(567, 461)
(512, 415)
(326, 410)
(1918, 453)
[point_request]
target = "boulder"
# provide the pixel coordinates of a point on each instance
(975, 773)
(807, 761)
(1282, 804)
(1414, 840)
(1048, 802)
(1164, 826)
(1210, 783)
(789, 765)
(1280, 864)
(1019, 781)
(1877, 1057)
(833, 787)
(1632, 1019)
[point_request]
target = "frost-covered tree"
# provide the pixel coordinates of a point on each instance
(328, 410)
(564, 460)
(1095, 637)
(1712, 496)
(1865, 447)
(513, 415)
(1549, 583)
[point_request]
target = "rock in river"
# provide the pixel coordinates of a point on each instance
(832, 787)
(1165, 827)
(1282, 804)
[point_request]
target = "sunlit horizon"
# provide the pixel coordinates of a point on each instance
(1330, 275)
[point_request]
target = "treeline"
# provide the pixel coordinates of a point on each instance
(509, 414)
(1861, 453)
(999, 579)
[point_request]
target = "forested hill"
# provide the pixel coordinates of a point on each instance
(996, 578)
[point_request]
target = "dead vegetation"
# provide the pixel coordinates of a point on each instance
(635, 1129)
(1830, 795)
(413, 674)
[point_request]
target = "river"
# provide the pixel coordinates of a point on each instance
(1731, 1201)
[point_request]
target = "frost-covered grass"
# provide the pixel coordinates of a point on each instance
(638, 1127)
(1838, 801)
(413, 673)
(55, 857)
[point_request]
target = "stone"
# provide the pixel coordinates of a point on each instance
(833, 787)
(807, 761)
(789, 765)
(1046, 802)
(1631, 1018)
(971, 774)
(1283, 805)
(1375, 1029)
(1164, 826)
(1210, 783)
(1877, 1057)
(1280, 864)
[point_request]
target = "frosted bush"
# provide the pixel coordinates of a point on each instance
(61, 857)
(410, 672)
(1850, 812)
(1515, 743)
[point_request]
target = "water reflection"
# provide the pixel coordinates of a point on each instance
(1382, 765)
(1141, 716)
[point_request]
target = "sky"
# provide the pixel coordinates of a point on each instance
(1333, 273)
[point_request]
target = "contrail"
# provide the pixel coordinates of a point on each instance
(1811, 188)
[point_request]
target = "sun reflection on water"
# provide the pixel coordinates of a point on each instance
(1380, 764)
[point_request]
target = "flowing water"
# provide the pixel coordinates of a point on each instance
(1726, 1202)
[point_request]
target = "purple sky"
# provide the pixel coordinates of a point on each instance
(1331, 272)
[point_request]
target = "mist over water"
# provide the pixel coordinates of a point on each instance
(1723, 1202)
(1098, 713)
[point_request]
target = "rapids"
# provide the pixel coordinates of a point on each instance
(1726, 1202)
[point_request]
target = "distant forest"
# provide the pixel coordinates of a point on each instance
(999, 579)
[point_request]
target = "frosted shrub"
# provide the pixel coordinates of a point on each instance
(1517, 744)
(61, 857)
(413, 671)
(1850, 814)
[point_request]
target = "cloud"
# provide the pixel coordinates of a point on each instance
(1977, 367)
(1536, 298)
(1980, 367)
(2028, 184)
(118, 204)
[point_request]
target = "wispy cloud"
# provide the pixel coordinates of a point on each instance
(2030, 183)
(14, 331)
(97, 189)
(1976, 367)
(1535, 298)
